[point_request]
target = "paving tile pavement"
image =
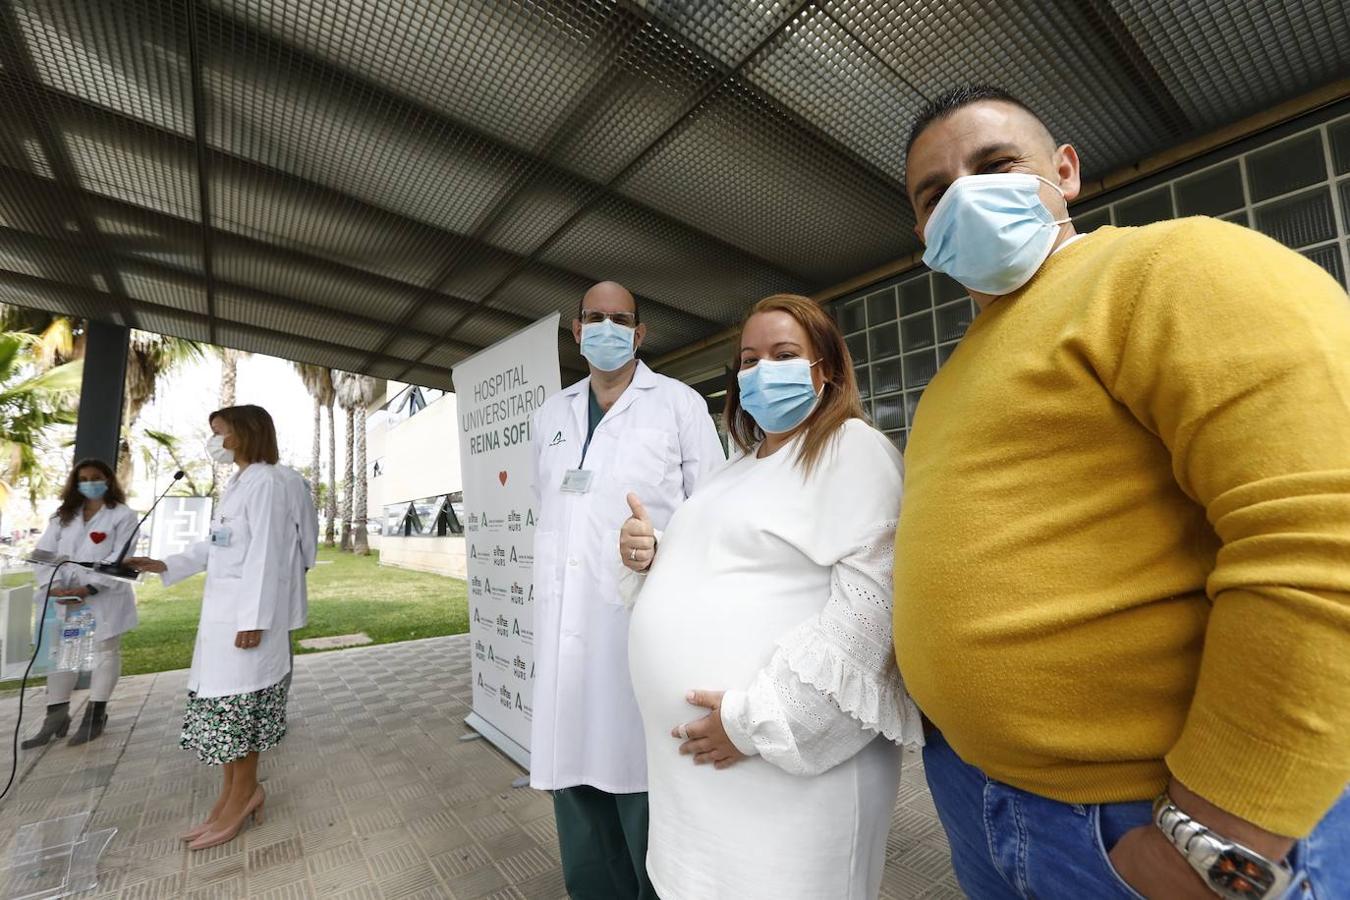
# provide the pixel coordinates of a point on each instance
(371, 795)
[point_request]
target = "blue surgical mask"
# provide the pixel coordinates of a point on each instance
(607, 346)
(778, 394)
(991, 232)
(93, 490)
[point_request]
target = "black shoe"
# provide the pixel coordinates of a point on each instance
(54, 726)
(91, 726)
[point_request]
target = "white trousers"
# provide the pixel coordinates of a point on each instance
(102, 680)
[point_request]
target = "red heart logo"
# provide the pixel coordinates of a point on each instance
(501, 476)
(98, 536)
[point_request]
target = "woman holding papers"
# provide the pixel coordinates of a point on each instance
(92, 525)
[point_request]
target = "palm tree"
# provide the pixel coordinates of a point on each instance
(319, 382)
(229, 373)
(365, 391)
(149, 358)
(172, 446)
(32, 403)
(52, 341)
(60, 338)
(348, 397)
(229, 379)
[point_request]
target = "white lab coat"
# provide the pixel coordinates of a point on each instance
(250, 585)
(99, 540)
(657, 440)
(307, 534)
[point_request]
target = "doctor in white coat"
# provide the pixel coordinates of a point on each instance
(624, 428)
(92, 525)
(306, 526)
(236, 690)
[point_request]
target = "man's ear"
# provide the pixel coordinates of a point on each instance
(1067, 168)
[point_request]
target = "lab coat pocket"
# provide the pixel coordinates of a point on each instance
(609, 569)
(649, 455)
(545, 562)
(226, 559)
(218, 606)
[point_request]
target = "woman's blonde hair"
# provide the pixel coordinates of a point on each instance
(839, 400)
(255, 437)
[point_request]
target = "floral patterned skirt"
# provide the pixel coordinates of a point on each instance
(224, 729)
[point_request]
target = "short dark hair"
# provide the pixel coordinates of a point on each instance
(957, 98)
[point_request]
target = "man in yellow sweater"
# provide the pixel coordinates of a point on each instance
(1123, 561)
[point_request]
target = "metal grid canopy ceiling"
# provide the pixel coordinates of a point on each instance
(387, 185)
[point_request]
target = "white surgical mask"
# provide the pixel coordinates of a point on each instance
(216, 449)
(991, 232)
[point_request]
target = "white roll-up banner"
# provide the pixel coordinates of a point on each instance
(497, 392)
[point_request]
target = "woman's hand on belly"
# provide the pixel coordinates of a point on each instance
(705, 739)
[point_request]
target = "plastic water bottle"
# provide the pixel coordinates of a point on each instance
(85, 654)
(66, 652)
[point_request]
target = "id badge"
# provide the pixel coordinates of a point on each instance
(577, 481)
(220, 536)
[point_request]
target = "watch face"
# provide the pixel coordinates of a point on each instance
(1239, 875)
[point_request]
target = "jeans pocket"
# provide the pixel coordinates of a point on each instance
(1104, 858)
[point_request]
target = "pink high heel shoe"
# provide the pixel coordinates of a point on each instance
(209, 839)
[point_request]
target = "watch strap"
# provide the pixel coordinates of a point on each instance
(1228, 868)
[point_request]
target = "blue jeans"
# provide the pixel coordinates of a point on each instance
(1007, 843)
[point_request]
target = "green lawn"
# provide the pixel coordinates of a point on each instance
(347, 594)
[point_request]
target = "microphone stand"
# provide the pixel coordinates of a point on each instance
(115, 569)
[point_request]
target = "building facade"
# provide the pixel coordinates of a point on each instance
(415, 486)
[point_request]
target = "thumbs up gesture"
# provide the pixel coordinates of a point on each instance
(637, 538)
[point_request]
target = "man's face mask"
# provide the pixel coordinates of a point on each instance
(991, 232)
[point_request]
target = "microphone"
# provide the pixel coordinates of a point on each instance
(115, 568)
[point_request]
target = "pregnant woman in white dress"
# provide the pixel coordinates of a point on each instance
(767, 601)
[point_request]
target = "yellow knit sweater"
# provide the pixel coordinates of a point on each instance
(1124, 545)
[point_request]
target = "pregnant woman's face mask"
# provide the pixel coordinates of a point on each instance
(778, 394)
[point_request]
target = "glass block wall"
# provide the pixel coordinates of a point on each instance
(898, 334)
(1294, 188)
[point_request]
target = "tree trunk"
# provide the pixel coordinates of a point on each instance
(330, 534)
(229, 379)
(347, 484)
(126, 466)
(229, 375)
(316, 469)
(361, 538)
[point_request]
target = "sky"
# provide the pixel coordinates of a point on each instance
(184, 400)
(180, 407)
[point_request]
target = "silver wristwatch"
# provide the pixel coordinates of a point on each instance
(1230, 869)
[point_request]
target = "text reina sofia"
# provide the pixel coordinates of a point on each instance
(502, 405)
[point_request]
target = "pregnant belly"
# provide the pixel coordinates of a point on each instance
(707, 633)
